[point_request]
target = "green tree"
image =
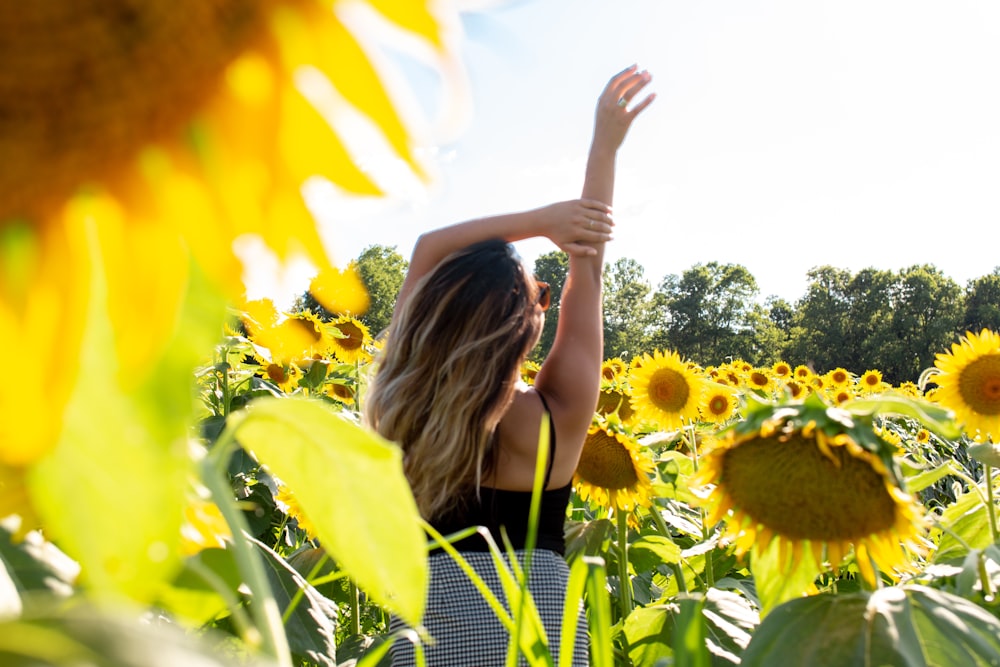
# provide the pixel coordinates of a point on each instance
(626, 308)
(982, 303)
(708, 314)
(382, 270)
(821, 320)
(552, 267)
(927, 314)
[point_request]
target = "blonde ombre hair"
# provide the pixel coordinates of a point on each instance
(448, 370)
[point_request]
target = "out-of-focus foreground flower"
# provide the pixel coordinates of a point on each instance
(139, 141)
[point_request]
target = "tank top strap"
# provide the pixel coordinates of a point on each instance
(552, 440)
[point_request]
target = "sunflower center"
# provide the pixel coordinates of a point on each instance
(353, 336)
(606, 462)
(668, 390)
(718, 405)
(789, 486)
(979, 385)
(86, 84)
(758, 379)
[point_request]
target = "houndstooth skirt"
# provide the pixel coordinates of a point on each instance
(467, 633)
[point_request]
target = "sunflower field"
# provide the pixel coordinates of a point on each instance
(193, 486)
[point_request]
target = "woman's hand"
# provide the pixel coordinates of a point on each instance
(614, 116)
(576, 226)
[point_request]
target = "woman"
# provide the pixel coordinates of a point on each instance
(447, 389)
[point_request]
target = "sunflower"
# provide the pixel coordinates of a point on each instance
(781, 369)
(803, 373)
(805, 475)
(297, 337)
(614, 470)
(341, 392)
(529, 369)
(351, 340)
(149, 137)
(294, 511)
(870, 382)
(923, 436)
(796, 390)
(839, 395)
(718, 403)
(968, 380)
(613, 369)
(665, 390)
(838, 377)
(615, 401)
(759, 379)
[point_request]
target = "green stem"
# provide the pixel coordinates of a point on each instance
(624, 583)
(705, 530)
(990, 505)
(264, 608)
(355, 608)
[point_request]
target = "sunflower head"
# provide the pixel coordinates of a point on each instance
(719, 403)
(838, 377)
(351, 339)
(615, 400)
(815, 477)
(870, 382)
(613, 370)
(781, 369)
(968, 379)
(665, 389)
(614, 470)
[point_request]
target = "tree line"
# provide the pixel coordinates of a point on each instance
(891, 321)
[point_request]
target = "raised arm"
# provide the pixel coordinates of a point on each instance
(570, 375)
(576, 226)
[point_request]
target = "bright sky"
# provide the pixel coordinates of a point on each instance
(785, 135)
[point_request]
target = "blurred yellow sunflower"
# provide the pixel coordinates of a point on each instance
(284, 375)
(615, 401)
(781, 369)
(665, 390)
(968, 379)
(614, 470)
(292, 508)
(838, 377)
(805, 475)
(796, 390)
(718, 404)
(529, 369)
(839, 395)
(613, 369)
(803, 373)
(923, 436)
(340, 392)
(759, 379)
(297, 337)
(149, 138)
(351, 340)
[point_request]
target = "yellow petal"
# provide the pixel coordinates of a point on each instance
(340, 291)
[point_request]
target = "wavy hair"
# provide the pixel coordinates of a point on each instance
(448, 369)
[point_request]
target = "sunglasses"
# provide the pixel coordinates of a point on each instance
(544, 295)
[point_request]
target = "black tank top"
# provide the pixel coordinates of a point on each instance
(499, 507)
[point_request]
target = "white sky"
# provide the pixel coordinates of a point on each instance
(786, 134)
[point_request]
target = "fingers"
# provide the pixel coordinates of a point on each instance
(629, 85)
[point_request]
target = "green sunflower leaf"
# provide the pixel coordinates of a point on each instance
(937, 419)
(349, 482)
(913, 625)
